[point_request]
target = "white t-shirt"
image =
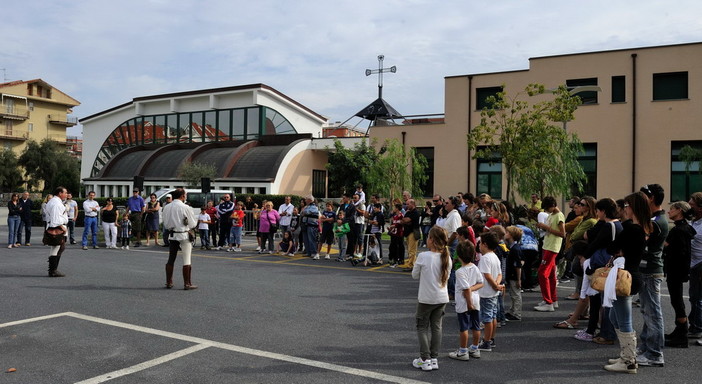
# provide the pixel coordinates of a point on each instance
(452, 222)
(359, 217)
(203, 217)
(489, 263)
(288, 209)
(427, 269)
(542, 218)
(466, 277)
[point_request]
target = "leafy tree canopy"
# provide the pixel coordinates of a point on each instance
(10, 175)
(48, 162)
(192, 172)
(530, 137)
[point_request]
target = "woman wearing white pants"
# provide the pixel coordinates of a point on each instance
(110, 215)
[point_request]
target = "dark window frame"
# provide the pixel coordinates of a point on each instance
(669, 86)
(481, 95)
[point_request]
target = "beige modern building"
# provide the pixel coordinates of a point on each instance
(649, 107)
(33, 110)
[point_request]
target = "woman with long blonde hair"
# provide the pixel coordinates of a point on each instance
(432, 268)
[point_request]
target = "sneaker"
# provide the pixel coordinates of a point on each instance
(457, 355)
(474, 353)
(694, 335)
(544, 308)
(126, 247)
(237, 249)
(485, 346)
(583, 336)
(424, 365)
(270, 252)
(326, 257)
(511, 317)
(316, 257)
(393, 265)
(492, 343)
(202, 248)
(85, 248)
(218, 248)
(258, 248)
(699, 342)
(555, 304)
(96, 247)
(434, 364)
(229, 250)
(646, 362)
(122, 247)
(292, 254)
(27, 244)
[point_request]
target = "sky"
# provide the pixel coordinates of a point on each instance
(105, 53)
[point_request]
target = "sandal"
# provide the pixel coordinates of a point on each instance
(582, 317)
(564, 325)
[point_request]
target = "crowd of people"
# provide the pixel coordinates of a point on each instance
(481, 254)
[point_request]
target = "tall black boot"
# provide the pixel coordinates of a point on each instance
(169, 276)
(53, 267)
(678, 339)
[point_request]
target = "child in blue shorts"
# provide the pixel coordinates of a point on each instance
(491, 269)
(468, 281)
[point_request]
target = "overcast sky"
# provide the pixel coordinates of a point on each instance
(105, 52)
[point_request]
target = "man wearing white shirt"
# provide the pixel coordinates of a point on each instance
(285, 210)
(91, 209)
(179, 219)
(57, 216)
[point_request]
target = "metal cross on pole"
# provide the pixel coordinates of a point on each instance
(380, 71)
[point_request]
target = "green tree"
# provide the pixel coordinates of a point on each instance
(50, 163)
(691, 157)
(10, 172)
(396, 170)
(536, 151)
(348, 167)
(192, 172)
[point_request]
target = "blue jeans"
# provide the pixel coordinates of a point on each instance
(13, 225)
(204, 237)
(606, 326)
(235, 235)
(620, 314)
(695, 317)
(311, 240)
(652, 338)
(90, 226)
(26, 225)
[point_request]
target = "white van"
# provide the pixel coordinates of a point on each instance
(195, 198)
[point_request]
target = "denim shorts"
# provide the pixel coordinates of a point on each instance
(488, 309)
(469, 320)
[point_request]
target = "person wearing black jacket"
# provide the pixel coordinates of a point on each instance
(26, 219)
(676, 264)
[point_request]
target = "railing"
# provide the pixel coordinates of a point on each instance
(436, 118)
(63, 119)
(13, 134)
(13, 111)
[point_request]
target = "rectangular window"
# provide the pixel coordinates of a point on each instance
(481, 95)
(618, 89)
(670, 86)
(588, 160)
(30, 127)
(31, 106)
(489, 176)
(685, 176)
(428, 186)
(588, 97)
(262, 190)
(237, 190)
(250, 190)
(319, 183)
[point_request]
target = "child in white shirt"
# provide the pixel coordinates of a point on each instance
(468, 281)
(204, 220)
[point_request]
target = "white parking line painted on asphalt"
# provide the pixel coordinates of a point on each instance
(204, 343)
(144, 365)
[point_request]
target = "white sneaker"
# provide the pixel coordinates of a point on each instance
(555, 304)
(474, 353)
(544, 308)
(316, 257)
(434, 364)
(270, 252)
(457, 355)
(122, 247)
(237, 249)
(291, 254)
(424, 365)
(229, 249)
(326, 257)
(126, 247)
(258, 248)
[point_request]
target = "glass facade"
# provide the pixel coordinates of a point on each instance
(193, 127)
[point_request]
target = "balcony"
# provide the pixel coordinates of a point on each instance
(14, 134)
(67, 121)
(60, 138)
(13, 112)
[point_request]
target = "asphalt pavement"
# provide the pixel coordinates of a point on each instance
(265, 319)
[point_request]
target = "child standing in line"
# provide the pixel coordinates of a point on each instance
(514, 272)
(396, 231)
(237, 219)
(204, 221)
(340, 230)
(502, 251)
(492, 274)
(432, 268)
(468, 281)
(125, 231)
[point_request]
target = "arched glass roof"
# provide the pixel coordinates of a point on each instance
(236, 124)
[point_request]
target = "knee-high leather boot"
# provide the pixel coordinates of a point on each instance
(169, 276)
(53, 267)
(187, 272)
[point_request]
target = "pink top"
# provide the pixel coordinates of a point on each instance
(268, 218)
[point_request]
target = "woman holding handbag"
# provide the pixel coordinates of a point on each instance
(268, 226)
(629, 246)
